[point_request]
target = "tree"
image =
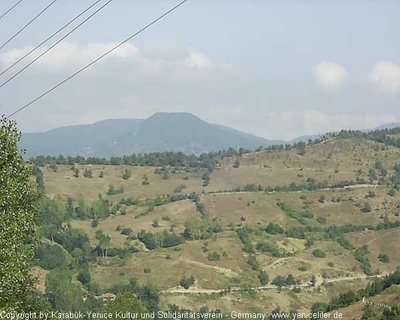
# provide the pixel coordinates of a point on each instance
(187, 282)
(125, 302)
(18, 215)
(383, 258)
(76, 173)
(301, 148)
(318, 253)
(366, 208)
(126, 174)
(263, 277)
(61, 291)
(88, 173)
(322, 198)
(104, 241)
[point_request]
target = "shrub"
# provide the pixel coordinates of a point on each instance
(318, 253)
(383, 258)
(252, 261)
(126, 174)
(88, 173)
(187, 282)
(95, 223)
(366, 208)
(263, 277)
(214, 256)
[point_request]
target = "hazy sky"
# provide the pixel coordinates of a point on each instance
(277, 69)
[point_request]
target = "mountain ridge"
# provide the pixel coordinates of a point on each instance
(158, 133)
(161, 132)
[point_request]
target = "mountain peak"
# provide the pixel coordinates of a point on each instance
(163, 131)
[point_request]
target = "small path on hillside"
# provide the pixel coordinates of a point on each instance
(262, 288)
(357, 186)
(227, 272)
(381, 236)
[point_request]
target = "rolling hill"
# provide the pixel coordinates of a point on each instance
(161, 132)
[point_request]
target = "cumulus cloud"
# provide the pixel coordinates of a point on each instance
(198, 60)
(386, 75)
(67, 54)
(329, 75)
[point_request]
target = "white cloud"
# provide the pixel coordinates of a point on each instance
(198, 60)
(329, 75)
(386, 75)
(67, 54)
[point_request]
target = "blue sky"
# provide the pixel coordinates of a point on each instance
(277, 69)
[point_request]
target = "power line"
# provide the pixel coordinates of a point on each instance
(42, 54)
(55, 33)
(1, 17)
(96, 60)
(22, 29)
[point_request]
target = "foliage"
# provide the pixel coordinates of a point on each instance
(214, 256)
(187, 282)
(50, 256)
(18, 216)
(318, 253)
(88, 173)
(263, 277)
(123, 303)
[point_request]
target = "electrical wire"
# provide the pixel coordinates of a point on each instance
(96, 60)
(54, 34)
(5, 13)
(24, 27)
(42, 54)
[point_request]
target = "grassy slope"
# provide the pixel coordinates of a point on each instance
(333, 161)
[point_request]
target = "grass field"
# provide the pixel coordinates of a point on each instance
(333, 160)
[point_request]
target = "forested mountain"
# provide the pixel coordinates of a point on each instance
(161, 132)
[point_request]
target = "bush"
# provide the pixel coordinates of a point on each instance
(147, 270)
(253, 263)
(187, 282)
(88, 173)
(383, 258)
(95, 223)
(318, 253)
(366, 208)
(126, 174)
(126, 231)
(214, 256)
(263, 277)
(84, 276)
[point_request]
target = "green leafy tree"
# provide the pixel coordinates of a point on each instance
(61, 292)
(125, 302)
(126, 174)
(18, 215)
(187, 282)
(366, 208)
(263, 277)
(88, 173)
(318, 253)
(76, 173)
